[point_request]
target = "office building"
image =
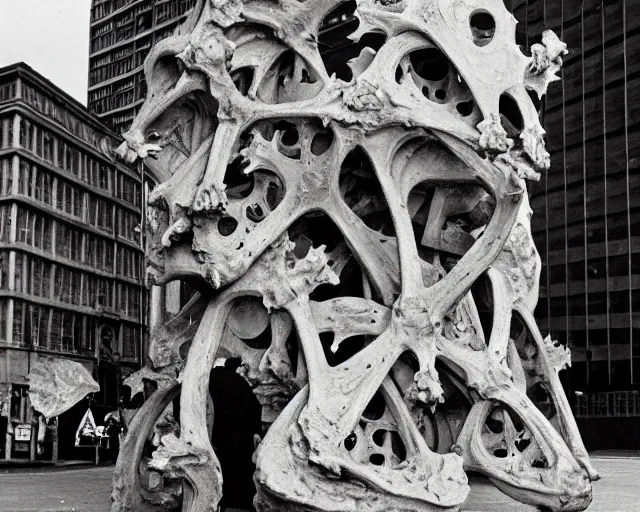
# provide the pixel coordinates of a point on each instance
(71, 262)
(587, 209)
(122, 34)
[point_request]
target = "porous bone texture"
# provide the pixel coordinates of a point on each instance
(361, 245)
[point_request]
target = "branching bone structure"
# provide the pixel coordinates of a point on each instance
(362, 245)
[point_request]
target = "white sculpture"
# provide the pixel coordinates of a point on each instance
(404, 354)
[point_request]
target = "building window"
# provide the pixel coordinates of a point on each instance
(89, 342)
(18, 310)
(5, 222)
(130, 342)
(25, 231)
(3, 319)
(26, 179)
(104, 294)
(38, 317)
(66, 336)
(20, 404)
(5, 176)
(105, 178)
(26, 134)
(47, 146)
(56, 330)
(4, 270)
(6, 132)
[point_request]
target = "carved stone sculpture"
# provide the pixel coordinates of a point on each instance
(362, 244)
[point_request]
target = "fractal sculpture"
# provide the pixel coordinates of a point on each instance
(353, 214)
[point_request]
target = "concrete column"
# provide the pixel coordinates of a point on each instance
(156, 307)
(16, 132)
(15, 174)
(172, 297)
(7, 443)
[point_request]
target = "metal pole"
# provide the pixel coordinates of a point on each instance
(584, 204)
(606, 198)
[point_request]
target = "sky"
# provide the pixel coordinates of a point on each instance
(51, 36)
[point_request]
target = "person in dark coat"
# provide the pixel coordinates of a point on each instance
(237, 418)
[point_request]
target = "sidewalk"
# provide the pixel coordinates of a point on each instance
(615, 454)
(27, 465)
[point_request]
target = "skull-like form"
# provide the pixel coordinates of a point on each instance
(270, 362)
(363, 245)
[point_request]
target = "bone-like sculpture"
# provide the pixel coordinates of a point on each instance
(363, 246)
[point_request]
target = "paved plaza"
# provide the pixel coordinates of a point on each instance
(88, 489)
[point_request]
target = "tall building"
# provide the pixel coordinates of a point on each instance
(71, 262)
(587, 208)
(122, 33)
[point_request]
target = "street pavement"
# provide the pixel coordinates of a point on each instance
(88, 490)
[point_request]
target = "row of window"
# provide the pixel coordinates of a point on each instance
(40, 277)
(36, 230)
(6, 132)
(58, 113)
(110, 70)
(128, 263)
(132, 340)
(114, 100)
(63, 331)
(38, 183)
(100, 9)
(8, 91)
(172, 9)
(593, 303)
(39, 281)
(41, 142)
(44, 144)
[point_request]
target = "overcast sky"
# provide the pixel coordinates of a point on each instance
(52, 36)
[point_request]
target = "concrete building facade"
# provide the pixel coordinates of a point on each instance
(586, 219)
(122, 34)
(71, 261)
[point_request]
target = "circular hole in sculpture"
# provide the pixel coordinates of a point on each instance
(430, 64)
(425, 91)
(227, 225)
(510, 115)
(501, 453)
(441, 94)
(290, 136)
(522, 444)
(377, 459)
(483, 27)
(399, 74)
(495, 425)
(378, 436)
(255, 213)
(540, 463)
(465, 108)
(321, 142)
(350, 441)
